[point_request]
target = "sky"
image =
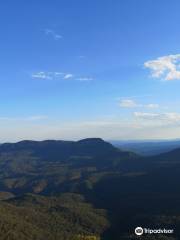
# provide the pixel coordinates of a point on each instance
(87, 68)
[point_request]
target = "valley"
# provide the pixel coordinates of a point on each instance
(86, 189)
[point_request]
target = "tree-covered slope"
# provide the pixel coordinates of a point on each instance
(55, 189)
(33, 217)
(55, 166)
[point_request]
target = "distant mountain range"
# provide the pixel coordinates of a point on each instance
(147, 148)
(86, 190)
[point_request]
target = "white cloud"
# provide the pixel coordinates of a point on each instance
(42, 75)
(59, 76)
(68, 76)
(52, 33)
(52, 75)
(171, 117)
(152, 105)
(148, 116)
(84, 79)
(22, 119)
(128, 103)
(35, 118)
(166, 67)
(58, 73)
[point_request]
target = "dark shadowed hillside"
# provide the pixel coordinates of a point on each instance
(59, 150)
(85, 190)
(55, 166)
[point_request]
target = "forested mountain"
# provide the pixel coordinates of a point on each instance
(38, 217)
(55, 166)
(86, 189)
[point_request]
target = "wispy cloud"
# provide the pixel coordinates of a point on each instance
(68, 76)
(129, 103)
(53, 34)
(50, 75)
(135, 96)
(28, 118)
(42, 75)
(152, 105)
(85, 79)
(36, 118)
(172, 117)
(81, 57)
(166, 67)
(59, 76)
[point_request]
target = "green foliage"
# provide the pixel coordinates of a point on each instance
(75, 179)
(51, 218)
(81, 237)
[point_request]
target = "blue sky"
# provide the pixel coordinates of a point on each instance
(86, 68)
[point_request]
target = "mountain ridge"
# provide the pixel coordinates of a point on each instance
(93, 175)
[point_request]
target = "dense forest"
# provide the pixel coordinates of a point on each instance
(86, 190)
